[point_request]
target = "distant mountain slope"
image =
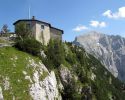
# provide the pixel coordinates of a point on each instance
(109, 49)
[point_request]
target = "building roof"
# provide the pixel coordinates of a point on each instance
(30, 20)
(57, 29)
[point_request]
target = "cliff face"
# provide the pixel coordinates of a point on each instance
(109, 49)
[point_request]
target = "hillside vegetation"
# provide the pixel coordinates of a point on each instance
(81, 75)
(12, 79)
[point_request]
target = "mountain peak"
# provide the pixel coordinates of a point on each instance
(89, 37)
(91, 33)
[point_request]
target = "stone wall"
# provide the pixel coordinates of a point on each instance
(42, 35)
(56, 34)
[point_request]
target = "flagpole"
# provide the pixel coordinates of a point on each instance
(29, 13)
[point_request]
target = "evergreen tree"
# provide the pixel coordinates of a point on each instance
(55, 52)
(23, 30)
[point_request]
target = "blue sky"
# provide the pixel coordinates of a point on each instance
(75, 17)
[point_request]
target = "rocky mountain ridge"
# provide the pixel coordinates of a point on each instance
(110, 49)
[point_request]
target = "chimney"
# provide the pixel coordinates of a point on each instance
(33, 17)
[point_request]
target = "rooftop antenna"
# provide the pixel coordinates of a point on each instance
(29, 11)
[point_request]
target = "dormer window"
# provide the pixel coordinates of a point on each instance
(42, 27)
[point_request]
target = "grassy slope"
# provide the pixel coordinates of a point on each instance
(12, 63)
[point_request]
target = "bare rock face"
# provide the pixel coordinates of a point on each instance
(43, 87)
(65, 74)
(46, 89)
(109, 49)
(1, 95)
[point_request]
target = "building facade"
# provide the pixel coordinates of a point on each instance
(42, 31)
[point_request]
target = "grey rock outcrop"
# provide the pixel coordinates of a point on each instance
(109, 49)
(65, 74)
(45, 88)
(1, 95)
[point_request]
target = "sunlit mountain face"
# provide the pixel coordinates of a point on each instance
(109, 49)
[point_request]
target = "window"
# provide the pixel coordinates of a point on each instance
(42, 26)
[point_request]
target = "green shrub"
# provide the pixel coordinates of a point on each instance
(71, 91)
(55, 52)
(29, 45)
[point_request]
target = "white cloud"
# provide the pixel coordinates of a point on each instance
(96, 24)
(119, 14)
(108, 13)
(103, 24)
(93, 23)
(80, 28)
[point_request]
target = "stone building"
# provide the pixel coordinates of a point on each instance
(42, 31)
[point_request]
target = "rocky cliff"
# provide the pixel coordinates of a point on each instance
(109, 49)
